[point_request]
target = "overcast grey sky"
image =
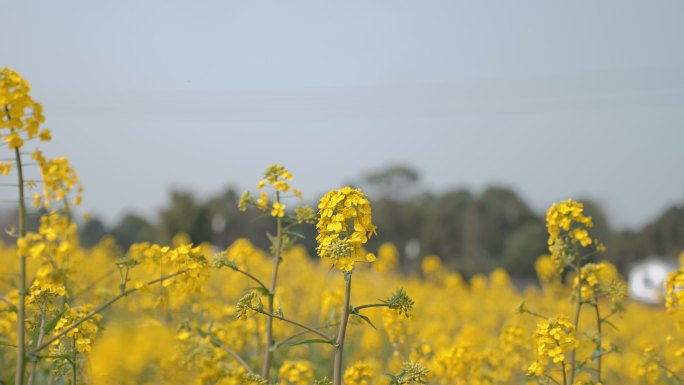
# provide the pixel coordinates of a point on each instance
(554, 99)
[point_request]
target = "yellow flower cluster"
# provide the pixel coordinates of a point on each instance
(431, 266)
(199, 359)
(478, 341)
(388, 258)
(147, 343)
(186, 265)
(48, 282)
(413, 373)
(396, 326)
(595, 279)
(674, 291)
(562, 216)
(20, 113)
(59, 179)
(278, 178)
(80, 338)
(56, 238)
(456, 364)
(5, 168)
(53, 244)
(295, 373)
(246, 306)
(359, 373)
(344, 226)
(567, 227)
(332, 300)
(553, 339)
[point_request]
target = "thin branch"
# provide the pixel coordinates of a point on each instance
(552, 379)
(217, 342)
(293, 322)
(253, 278)
(98, 310)
(669, 372)
(7, 301)
(534, 313)
(303, 332)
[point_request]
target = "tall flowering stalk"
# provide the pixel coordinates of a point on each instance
(557, 339)
(22, 117)
(46, 310)
(344, 226)
(277, 178)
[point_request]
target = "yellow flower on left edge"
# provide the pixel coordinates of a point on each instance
(21, 115)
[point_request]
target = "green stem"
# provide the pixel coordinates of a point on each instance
(21, 307)
(578, 308)
(268, 353)
(73, 371)
(565, 379)
(337, 365)
(41, 335)
(598, 326)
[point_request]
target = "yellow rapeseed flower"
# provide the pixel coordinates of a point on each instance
(344, 226)
(278, 210)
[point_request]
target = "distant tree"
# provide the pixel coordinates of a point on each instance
(471, 233)
(443, 231)
(523, 246)
(92, 231)
(185, 215)
(500, 213)
(132, 229)
(395, 182)
(665, 235)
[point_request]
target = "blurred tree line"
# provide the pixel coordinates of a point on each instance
(470, 232)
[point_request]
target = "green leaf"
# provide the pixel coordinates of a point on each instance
(610, 324)
(365, 318)
(395, 379)
(310, 341)
(295, 234)
(262, 290)
(271, 238)
(47, 328)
